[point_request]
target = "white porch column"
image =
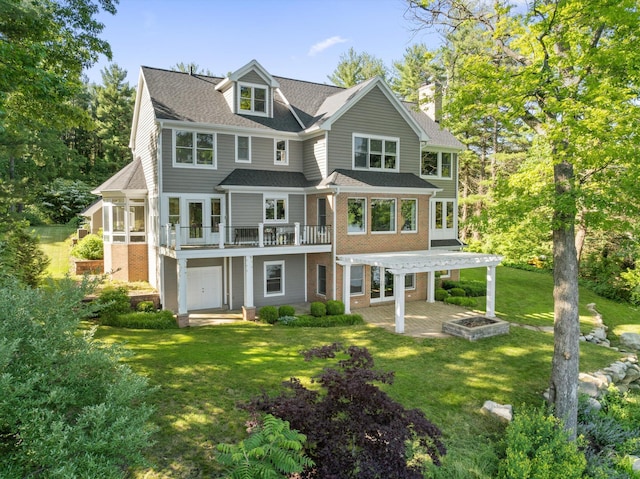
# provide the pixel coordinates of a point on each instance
(248, 309)
(431, 287)
(398, 288)
(346, 287)
(182, 287)
(260, 235)
(491, 292)
(221, 235)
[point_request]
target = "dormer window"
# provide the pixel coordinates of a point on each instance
(253, 99)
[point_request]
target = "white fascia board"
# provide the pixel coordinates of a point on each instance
(136, 110)
(259, 189)
(259, 69)
(388, 190)
(232, 130)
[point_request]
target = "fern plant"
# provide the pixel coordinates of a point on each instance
(272, 451)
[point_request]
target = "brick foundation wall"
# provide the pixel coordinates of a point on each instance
(129, 262)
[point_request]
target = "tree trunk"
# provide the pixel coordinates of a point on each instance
(581, 235)
(563, 392)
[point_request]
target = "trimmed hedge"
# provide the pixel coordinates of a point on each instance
(268, 314)
(286, 310)
(471, 288)
(461, 301)
(146, 307)
(442, 294)
(142, 320)
(308, 321)
(458, 292)
(113, 301)
(334, 307)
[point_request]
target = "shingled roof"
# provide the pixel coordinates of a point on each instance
(194, 98)
(129, 178)
(265, 178)
(380, 179)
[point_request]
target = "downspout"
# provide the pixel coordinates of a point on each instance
(159, 208)
(335, 236)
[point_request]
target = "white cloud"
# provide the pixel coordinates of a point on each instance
(324, 44)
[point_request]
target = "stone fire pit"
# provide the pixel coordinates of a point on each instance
(475, 327)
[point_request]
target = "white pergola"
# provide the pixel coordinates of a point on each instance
(402, 263)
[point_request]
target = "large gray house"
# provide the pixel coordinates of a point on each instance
(255, 190)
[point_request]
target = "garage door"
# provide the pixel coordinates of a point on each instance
(204, 288)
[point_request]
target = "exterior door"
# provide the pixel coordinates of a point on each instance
(204, 288)
(196, 221)
(381, 285)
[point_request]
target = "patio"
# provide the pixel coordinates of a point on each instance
(422, 319)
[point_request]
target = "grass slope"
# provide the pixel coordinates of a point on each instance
(204, 373)
(53, 241)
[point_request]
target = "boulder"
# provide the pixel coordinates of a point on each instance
(504, 412)
(600, 333)
(630, 340)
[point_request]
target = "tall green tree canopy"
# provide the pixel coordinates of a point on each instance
(569, 71)
(354, 68)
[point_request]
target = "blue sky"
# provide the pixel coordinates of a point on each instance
(301, 39)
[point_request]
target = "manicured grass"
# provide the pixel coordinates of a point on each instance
(203, 374)
(53, 241)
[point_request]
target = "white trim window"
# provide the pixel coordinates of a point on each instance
(409, 215)
(274, 278)
(437, 164)
(383, 215)
(275, 209)
(375, 153)
(243, 149)
(124, 220)
(192, 148)
(357, 280)
(252, 99)
(410, 281)
(356, 216)
(281, 152)
(322, 280)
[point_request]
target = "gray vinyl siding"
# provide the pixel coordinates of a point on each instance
(145, 146)
(449, 189)
(252, 77)
(237, 282)
(170, 286)
(314, 157)
(372, 115)
(247, 209)
(294, 278)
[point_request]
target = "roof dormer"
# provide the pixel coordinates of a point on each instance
(249, 90)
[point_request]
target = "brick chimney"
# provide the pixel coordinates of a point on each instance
(430, 100)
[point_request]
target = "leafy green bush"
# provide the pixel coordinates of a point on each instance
(335, 307)
(89, 247)
(308, 321)
(318, 309)
(442, 294)
(146, 307)
(461, 301)
(272, 450)
(268, 314)
(113, 301)
(471, 288)
(70, 407)
(142, 320)
(457, 292)
(20, 254)
(286, 310)
(538, 446)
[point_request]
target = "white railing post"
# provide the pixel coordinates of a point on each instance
(261, 235)
(221, 233)
(167, 235)
(297, 233)
(178, 236)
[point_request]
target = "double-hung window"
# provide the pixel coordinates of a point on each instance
(322, 279)
(409, 213)
(275, 209)
(281, 152)
(253, 99)
(357, 280)
(375, 153)
(274, 278)
(243, 149)
(437, 164)
(194, 149)
(383, 215)
(356, 215)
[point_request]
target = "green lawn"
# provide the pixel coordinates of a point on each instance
(204, 373)
(53, 241)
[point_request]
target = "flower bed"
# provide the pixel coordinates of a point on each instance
(476, 327)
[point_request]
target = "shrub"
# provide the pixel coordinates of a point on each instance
(457, 292)
(268, 314)
(356, 429)
(287, 320)
(70, 407)
(335, 307)
(113, 301)
(308, 321)
(441, 294)
(286, 310)
(89, 247)
(20, 254)
(538, 446)
(461, 301)
(146, 307)
(142, 320)
(471, 288)
(318, 309)
(272, 450)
